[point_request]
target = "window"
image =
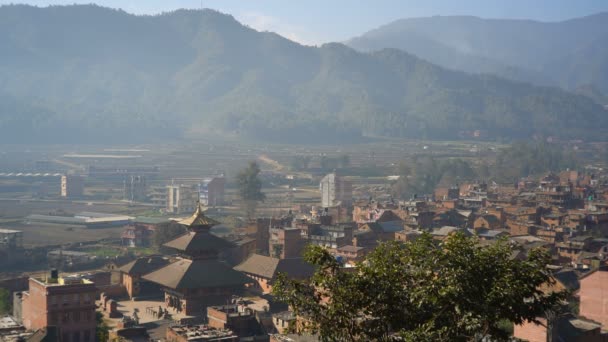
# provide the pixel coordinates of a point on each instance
(88, 316)
(87, 336)
(76, 298)
(76, 336)
(66, 317)
(87, 298)
(76, 316)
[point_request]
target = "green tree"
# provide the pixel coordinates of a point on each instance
(456, 290)
(5, 301)
(102, 331)
(250, 188)
(299, 163)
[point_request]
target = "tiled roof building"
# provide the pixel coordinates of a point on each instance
(198, 279)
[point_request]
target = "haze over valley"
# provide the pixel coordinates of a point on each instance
(87, 74)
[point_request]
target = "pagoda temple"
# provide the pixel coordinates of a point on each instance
(198, 279)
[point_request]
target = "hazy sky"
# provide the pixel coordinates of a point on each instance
(319, 21)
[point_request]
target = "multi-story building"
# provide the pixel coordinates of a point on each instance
(335, 190)
(180, 199)
(72, 186)
(285, 243)
(134, 188)
(239, 318)
(330, 236)
(67, 303)
(211, 191)
(10, 239)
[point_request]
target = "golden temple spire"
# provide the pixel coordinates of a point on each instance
(198, 219)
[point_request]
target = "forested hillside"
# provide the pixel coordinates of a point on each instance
(569, 53)
(86, 73)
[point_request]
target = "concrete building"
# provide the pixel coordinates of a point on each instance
(72, 186)
(335, 190)
(180, 199)
(134, 188)
(211, 191)
(66, 303)
(10, 239)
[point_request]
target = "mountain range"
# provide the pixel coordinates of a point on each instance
(85, 73)
(569, 54)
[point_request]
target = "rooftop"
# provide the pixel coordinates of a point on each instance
(64, 281)
(285, 315)
(8, 322)
(202, 333)
(198, 219)
(194, 274)
(267, 267)
(144, 265)
(350, 248)
(9, 231)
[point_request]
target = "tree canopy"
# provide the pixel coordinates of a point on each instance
(5, 301)
(250, 188)
(456, 290)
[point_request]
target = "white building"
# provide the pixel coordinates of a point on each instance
(335, 191)
(180, 199)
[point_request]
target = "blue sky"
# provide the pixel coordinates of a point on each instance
(320, 21)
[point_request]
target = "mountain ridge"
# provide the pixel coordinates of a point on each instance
(519, 49)
(96, 73)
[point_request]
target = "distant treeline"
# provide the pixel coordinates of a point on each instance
(422, 174)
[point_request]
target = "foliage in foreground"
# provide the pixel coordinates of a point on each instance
(421, 291)
(5, 301)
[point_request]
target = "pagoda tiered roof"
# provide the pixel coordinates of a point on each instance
(193, 274)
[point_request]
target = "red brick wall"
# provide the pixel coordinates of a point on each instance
(531, 332)
(70, 308)
(216, 318)
(519, 228)
(593, 296)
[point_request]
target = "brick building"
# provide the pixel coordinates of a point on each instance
(238, 318)
(285, 243)
(261, 227)
(132, 272)
(198, 278)
(264, 269)
(571, 329)
(211, 191)
(593, 295)
(67, 303)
